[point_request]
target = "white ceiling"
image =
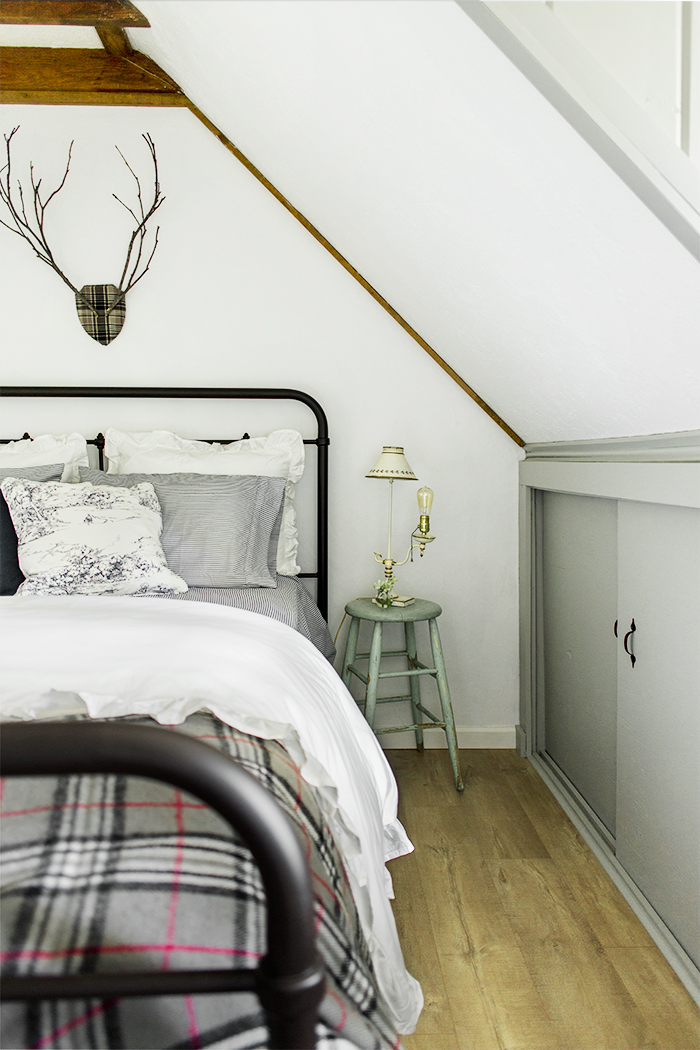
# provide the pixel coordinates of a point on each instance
(441, 174)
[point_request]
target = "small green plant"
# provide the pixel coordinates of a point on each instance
(385, 591)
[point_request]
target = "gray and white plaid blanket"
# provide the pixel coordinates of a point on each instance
(113, 872)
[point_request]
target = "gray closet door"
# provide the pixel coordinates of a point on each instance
(658, 817)
(579, 564)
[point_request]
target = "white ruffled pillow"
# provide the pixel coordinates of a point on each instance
(70, 449)
(279, 455)
(88, 539)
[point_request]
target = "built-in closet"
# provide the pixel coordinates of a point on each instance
(610, 704)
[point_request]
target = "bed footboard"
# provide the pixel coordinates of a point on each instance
(289, 980)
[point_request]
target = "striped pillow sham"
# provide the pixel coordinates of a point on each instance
(218, 531)
(278, 455)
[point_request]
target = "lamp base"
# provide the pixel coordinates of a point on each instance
(400, 600)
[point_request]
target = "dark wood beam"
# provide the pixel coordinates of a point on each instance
(84, 76)
(114, 40)
(71, 13)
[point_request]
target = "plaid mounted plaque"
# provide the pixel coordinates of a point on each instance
(101, 309)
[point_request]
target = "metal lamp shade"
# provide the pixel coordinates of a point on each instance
(393, 465)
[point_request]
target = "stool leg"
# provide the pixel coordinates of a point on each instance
(350, 648)
(445, 702)
(375, 656)
(410, 632)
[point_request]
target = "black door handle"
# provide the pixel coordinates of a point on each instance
(615, 629)
(629, 634)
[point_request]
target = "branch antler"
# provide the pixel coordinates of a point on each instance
(135, 249)
(31, 227)
(35, 237)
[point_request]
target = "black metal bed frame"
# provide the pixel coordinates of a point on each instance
(322, 441)
(289, 980)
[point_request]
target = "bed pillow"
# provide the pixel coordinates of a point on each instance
(69, 449)
(217, 531)
(11, 576)
(279, 455)
(88, 539)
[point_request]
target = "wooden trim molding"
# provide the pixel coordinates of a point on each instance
(72, 13)
(114, 40)
(680, 447)
(92, 77)
(72, 76)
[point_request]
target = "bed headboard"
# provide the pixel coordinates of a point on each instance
(226, 393)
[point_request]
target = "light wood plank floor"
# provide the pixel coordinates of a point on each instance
(519, 938)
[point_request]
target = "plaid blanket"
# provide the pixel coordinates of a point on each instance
(113, 872)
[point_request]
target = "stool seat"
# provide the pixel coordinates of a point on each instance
(418, 611)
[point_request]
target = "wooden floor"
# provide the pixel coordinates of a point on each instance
(519, 938)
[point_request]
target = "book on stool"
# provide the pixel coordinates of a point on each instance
(400, 600)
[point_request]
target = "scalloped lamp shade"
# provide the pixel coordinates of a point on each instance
(392, 465)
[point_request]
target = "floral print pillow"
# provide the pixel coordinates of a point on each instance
(87, 539)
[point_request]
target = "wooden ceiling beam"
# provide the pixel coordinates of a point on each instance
(114, 40)
(72, 13)
(84, 76)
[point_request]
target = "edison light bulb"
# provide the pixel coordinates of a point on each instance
(425, 499)
(425, 502)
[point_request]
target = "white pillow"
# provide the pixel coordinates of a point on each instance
(70, 449)
(89, 539)
(279, 455)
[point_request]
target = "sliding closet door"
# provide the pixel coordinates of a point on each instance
(658, 819)
(579, 565)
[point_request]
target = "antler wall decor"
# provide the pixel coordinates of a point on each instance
(101, 307)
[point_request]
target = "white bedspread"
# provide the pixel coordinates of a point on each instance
(168, 659)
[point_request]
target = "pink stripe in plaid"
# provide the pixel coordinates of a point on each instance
(49, 1040)
(192, 1026)
(111, 949)
(177, 871)
(104, 805)
(343, 1012)
(319, 916)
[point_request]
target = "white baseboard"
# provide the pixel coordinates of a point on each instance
(467, 737)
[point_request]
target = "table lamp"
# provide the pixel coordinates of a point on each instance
(393, 466)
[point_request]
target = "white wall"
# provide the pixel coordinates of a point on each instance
(632, 67)
(430, 161)
(239, 294)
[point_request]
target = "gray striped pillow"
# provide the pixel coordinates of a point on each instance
(218, 531)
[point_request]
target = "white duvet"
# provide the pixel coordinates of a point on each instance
(124, 655)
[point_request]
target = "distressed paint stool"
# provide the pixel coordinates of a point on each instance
(419, 611)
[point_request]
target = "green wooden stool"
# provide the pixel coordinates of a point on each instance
(365, 609)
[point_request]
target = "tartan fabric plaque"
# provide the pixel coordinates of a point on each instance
(101, 309)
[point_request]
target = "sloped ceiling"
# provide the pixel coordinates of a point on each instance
(430, 162)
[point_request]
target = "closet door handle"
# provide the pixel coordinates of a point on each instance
(615, 629)
(629, 634)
